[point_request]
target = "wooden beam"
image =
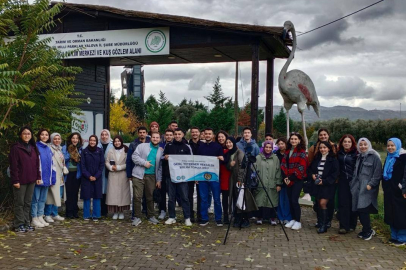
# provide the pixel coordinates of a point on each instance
(236, 101)
(269, 96)
(254, 90)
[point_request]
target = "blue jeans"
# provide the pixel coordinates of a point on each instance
(96, 213)
(399, 235)
(51, 210)
(61, 189)
(204, 188)
(283, 206)
(39, 197)
(180, 190)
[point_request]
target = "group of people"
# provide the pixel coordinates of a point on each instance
(104, 171)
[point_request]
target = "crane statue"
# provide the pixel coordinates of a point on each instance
(295, 86)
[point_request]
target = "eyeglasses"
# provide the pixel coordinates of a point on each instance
(294, 133)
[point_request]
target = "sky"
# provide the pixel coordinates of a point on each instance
(358, 61)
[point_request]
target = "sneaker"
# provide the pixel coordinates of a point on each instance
(360, 234)
(49, 219)
(58, 218)
(297, 226)
(342, 231)
(273, 222)
(368, 236)
(29, 228)
(245, 224)
(203, 222)
(290, 223)
(41, 219)
(153, 220)
(170, 221)
(136, 221)
(86, 219)
(115, 216)
(36, 223)
(398, 243)
(21, 229)
(95, 219)
(253, 218)
(121, 216)
(219, 223)
(259, 221)
(162, 215)
(187, 222)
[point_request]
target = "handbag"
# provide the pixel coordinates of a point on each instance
(240, 200)
(65, 170)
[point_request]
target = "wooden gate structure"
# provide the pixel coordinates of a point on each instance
(191, 40)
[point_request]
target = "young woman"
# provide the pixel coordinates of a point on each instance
(118, 190)
(365, 186)
(324, 170)
(283, 206)
(294, 168)
(92, 164)
(347, 156)
(106, 143)
(234, 159)
(269, 171)
(394, 200)
(221, 138)
(24, 172)
(322, 136)
(48, 179)
(72, 152)
(54, 192)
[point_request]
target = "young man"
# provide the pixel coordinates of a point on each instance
(194, 144)
(247, 142)
(162, 206)
(153, 127)
(142, 138)
(269, 137)
(147, 174)
(210, 148)
(177, 147)
(173, 125)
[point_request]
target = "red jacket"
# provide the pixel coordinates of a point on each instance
(24, 165)
(224, 174)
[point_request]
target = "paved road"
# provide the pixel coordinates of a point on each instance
(116, 245)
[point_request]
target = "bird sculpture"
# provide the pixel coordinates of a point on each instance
(295, 86)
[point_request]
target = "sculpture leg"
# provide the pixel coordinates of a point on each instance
(307, 196)
(287, 124)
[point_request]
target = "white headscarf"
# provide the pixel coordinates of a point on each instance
(53, 135)
(370, 149)
(108, 140)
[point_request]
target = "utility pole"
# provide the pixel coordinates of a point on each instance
(236, 101)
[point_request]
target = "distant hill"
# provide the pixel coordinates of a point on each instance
(352, 113)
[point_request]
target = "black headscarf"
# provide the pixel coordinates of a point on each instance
(230, 152)
(122, 143)
(94, 148)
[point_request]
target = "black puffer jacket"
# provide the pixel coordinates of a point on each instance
(347, 162)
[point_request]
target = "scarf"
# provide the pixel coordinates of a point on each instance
(230, 152)
(108, 140)
(370, 149)
(295, 164)
(55, 147)
(93, 148)
(265, 143)
(391, 159)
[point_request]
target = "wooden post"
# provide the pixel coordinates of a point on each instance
(269, 96)
(236, 101)
(254, 90)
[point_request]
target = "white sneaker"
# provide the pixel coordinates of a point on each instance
(162, 215)
(49, 219)
(187, 222)
(153, 220)
(136, 221)
(115, 216)
(41, 219)
(297, 226)
(121, 216)
(307, 197)
(170, 221)
(259, 221)
(58, 218)
(36, 223)
(290, 223)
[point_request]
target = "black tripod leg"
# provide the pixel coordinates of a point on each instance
(232, 216)
(269, 199)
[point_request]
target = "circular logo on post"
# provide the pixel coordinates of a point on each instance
(80, 124)
(155, 41)
(207, 176)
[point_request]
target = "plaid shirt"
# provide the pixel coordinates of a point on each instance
(296, 164)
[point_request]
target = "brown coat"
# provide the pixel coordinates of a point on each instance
(118, 187)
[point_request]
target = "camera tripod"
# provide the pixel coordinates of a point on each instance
(250, 164)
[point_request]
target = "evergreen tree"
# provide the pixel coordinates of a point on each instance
(217, 97)
(279, 123)
(160, 110)
(134, 105)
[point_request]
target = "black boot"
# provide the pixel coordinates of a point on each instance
(324, 217)
(318, 224)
